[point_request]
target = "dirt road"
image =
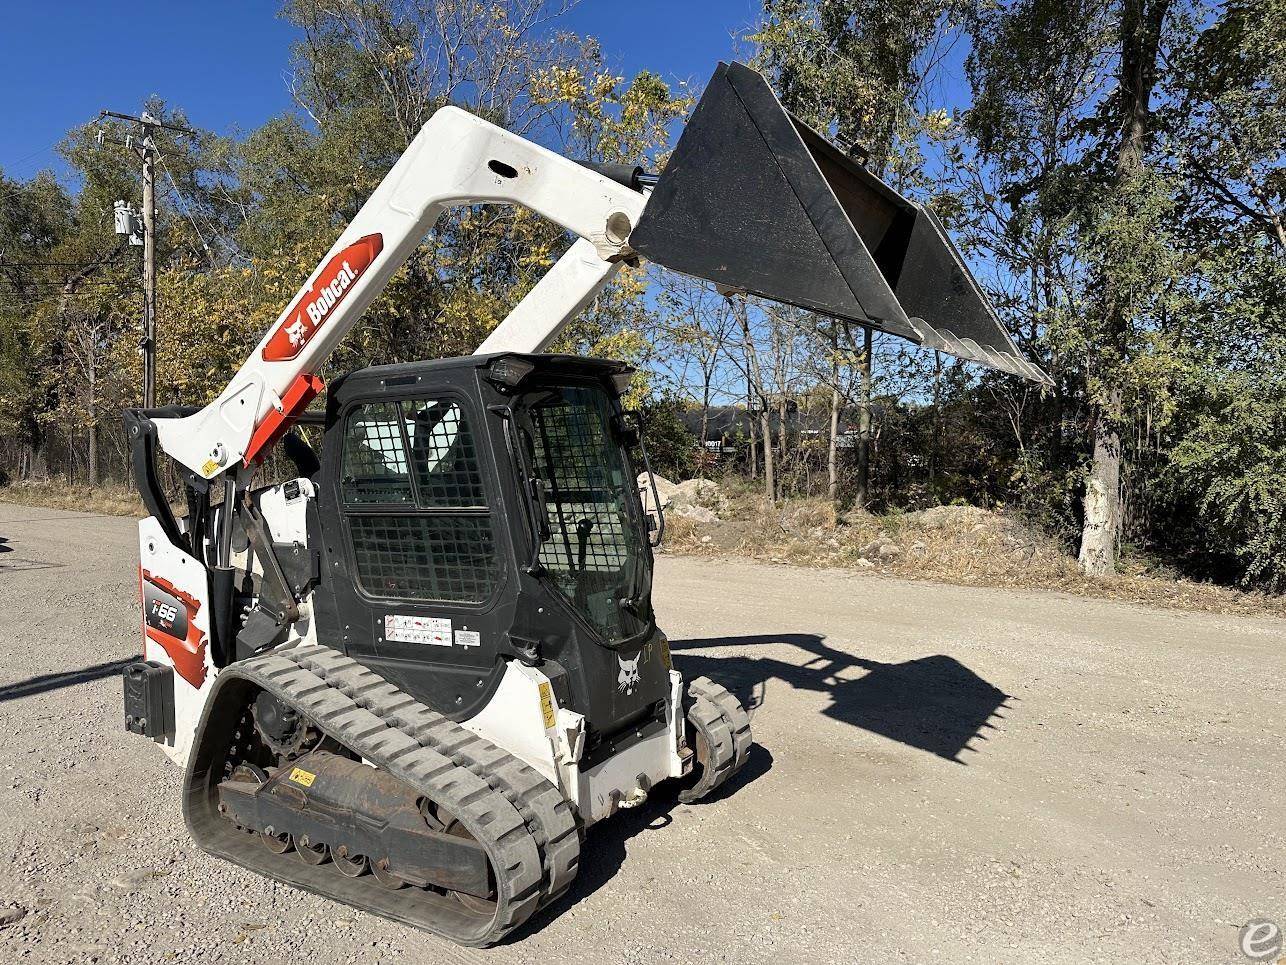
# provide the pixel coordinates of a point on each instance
(942, 774)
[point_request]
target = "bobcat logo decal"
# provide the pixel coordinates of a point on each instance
(628, 678)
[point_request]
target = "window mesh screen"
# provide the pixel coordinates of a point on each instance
(581, 501)
(446, 553)
(593, 551)
(374, 460)
(446, 464)
(430, 557)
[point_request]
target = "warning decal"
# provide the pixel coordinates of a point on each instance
(547, 705)
(400, 628)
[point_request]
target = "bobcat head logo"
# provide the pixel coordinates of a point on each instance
(628, 678)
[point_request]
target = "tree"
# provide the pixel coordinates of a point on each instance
(758, 401)
(244, 222)
(690, 341)
(1221, 491)
(857, 70)
(34, 217)
(1129, 217)
(1064, 112)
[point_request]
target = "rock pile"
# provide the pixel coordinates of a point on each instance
(696, 499)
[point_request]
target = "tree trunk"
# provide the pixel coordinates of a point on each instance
(757, 386)
(705, 424)
(765, 433)
(1102, 499)
(37, 468)
(1141, 22)
(935, 425)
(779, 371)
(832, 450)
(754, 430)
(92, 446)
(861, 496)
(92, 441)
(783, 441)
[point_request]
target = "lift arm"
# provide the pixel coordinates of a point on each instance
(752, 200)
(456, 159)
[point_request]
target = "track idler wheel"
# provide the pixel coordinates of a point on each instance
(475, 904)
(718, 730)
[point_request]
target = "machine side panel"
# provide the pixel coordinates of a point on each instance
(175, 593)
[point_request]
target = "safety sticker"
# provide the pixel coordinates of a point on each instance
(547, 705)
(468, 638)
(433, 631)
(302, 777)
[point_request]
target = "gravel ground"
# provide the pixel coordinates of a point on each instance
(942, 773)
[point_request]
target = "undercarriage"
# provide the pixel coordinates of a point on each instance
(391, 807)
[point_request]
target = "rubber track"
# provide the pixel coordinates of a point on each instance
(720, 718)
(733, 714)
(547, 814)
(323, 684)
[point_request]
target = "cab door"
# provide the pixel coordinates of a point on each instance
(413, 547)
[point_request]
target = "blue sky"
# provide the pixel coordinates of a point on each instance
(226, 64)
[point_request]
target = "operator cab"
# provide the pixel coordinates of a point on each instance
(483, 509)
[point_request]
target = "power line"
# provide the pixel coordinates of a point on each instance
(183, 204)
(81, 288)
(50, 264)
(147, 120)
(72, 281)
(16, 165)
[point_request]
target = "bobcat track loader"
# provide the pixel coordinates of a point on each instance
(412, 677)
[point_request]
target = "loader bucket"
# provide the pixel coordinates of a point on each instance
(754, 200)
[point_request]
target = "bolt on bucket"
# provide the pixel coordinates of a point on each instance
(755, 200)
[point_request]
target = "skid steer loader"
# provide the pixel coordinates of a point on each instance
(413, 675)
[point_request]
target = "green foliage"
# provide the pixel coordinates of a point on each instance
(856, 69)
(671, 448)
(1223, 484)
(1153, 290)
(1231, 465)
(1141, 270)
(243, 222)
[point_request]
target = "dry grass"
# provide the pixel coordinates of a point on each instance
(59, 494)
(961, 545)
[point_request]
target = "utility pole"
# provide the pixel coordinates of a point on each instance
(149, 269)
(145, 147)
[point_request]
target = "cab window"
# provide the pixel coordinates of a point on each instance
(415, 504)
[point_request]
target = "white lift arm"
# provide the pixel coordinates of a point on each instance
(456, 158)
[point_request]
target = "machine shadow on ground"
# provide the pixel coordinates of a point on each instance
(604, 849)
(56, 681)
(934, 703)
